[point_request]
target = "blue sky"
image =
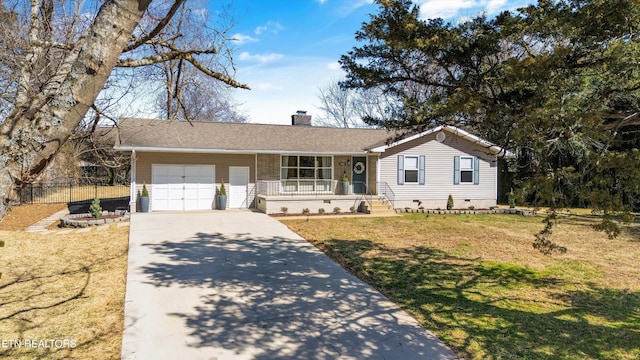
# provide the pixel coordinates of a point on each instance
(286, 50)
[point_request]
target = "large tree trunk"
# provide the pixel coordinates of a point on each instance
(34, 132)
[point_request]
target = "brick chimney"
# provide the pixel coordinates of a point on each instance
(300, 118)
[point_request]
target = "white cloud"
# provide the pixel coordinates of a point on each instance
(261, 58)
(321, 2)
(267, 86)
(334, 65)
(494, 6)
(240, 39)
(447, 9)
(430, 9)
(347, 7)
(201, 13)
(273, 27)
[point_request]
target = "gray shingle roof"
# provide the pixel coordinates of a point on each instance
(215, 136)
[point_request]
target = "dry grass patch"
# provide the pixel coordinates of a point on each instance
(63, 287)
(477, 282)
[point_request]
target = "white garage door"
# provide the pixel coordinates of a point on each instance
(182, 187)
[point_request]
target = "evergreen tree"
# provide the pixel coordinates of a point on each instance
(556, 82)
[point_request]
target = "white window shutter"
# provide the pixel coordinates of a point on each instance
(400, 169)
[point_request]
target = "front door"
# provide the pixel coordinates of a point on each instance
(238, 185)
(359, 175)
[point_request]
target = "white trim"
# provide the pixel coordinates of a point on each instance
(224, 151)
(133, 199)
(378, 175)
(315, 180)
(417, 169)
(472, 169)
(452, 129)
(496, 177)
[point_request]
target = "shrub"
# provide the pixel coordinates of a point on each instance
(145, 192)
(336, 210)
(321, 211)
(223, 191)
(353, 209)
(284, 209)
(512, 199)
(95, 208)
(306, 211)
(450, 202)
(471, 207)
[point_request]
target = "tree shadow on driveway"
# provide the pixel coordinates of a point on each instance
(265, 298)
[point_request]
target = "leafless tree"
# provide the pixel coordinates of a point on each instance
(349, 108)
(189, 94)
(55, 59)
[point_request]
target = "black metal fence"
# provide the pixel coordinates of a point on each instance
(53, 193)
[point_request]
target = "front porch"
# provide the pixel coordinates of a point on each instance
(273, 197)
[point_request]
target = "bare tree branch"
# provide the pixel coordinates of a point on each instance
(161, 25)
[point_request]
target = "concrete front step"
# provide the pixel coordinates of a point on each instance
(381, 207)
(385, 213)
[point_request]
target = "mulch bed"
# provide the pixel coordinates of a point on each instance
(102, 217)
(314, 214)
(19, 218)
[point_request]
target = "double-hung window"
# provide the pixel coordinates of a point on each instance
(411, 169)
(466, 170)
(306, 173)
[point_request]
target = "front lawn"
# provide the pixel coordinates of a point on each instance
(62, 295)
(477, 283)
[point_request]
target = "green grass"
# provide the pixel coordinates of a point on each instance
(479, 285)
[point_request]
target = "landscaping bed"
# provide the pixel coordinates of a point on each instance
(523, 212)
(314, 214)
(86, 219)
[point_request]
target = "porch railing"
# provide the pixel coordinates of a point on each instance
(364, 194)
(251, 196)
(297, 188)
(385, 190)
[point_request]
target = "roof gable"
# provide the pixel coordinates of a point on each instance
(452, 130)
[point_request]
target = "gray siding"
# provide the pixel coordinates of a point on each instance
(221, 161)
(439, 172)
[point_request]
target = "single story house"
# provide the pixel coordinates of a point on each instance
(270, 167)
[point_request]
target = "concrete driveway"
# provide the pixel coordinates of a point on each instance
(240, 285)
